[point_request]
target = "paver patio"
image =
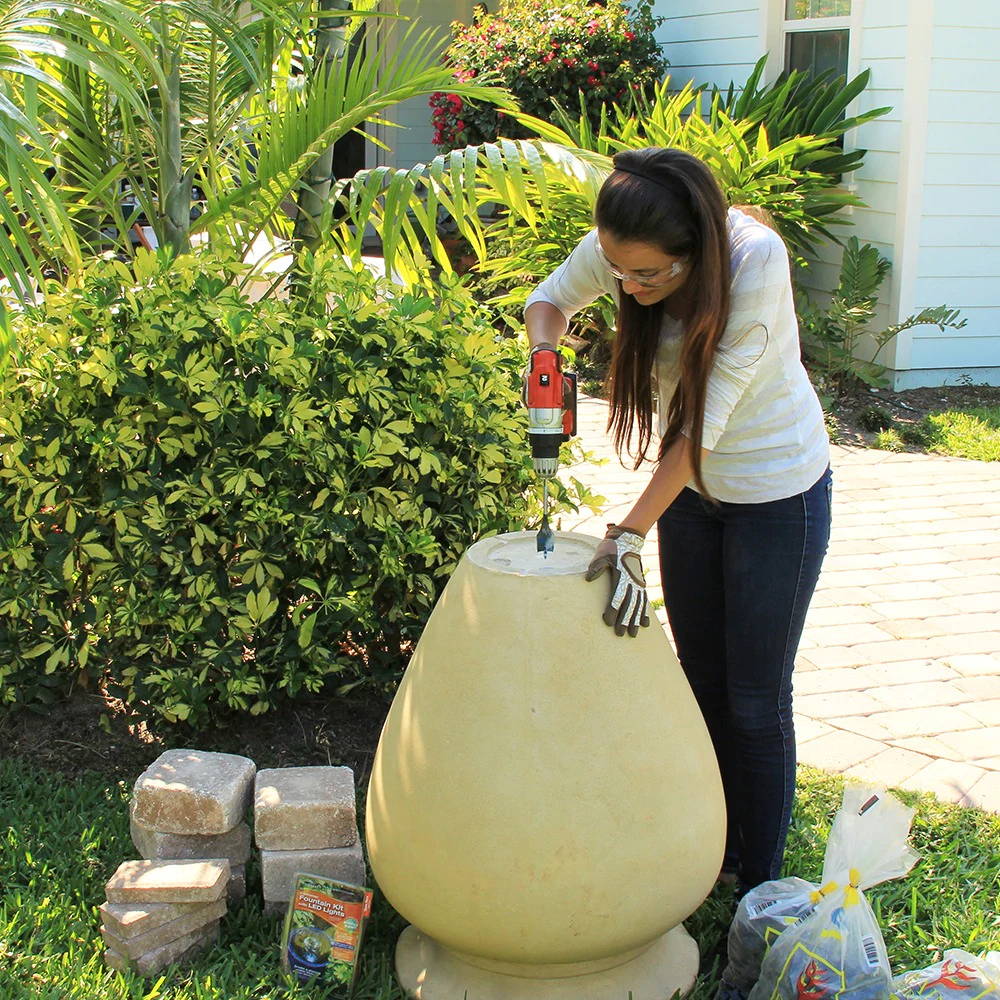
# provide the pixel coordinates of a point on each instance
(898, 674)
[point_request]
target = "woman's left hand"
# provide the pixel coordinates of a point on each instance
(628, 604)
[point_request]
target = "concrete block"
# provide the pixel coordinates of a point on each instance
(168, 881)
(180, 950)
(279, 868)
(233, 845)
(193, 792)
(236, 891)
(304, 808)
(137, 945)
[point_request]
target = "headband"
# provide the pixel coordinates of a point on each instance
(646, 177)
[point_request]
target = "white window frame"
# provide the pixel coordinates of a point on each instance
(795, 26)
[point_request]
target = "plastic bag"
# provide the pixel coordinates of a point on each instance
(837, 950)
(959, 976)
(764, 912)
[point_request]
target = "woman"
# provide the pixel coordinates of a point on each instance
(741, 488)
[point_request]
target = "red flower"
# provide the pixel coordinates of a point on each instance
(630, 35)
(593, 80)
(569, 62)
(548, 57)
(593, 65)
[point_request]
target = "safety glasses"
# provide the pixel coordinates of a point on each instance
(645, 280)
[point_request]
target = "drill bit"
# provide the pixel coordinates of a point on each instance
(546, 541)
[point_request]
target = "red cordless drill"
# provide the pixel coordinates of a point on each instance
(551, 398)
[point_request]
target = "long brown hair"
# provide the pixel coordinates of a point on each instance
(668, 199)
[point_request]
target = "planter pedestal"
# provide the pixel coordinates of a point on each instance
(544, 805)
(428, 971)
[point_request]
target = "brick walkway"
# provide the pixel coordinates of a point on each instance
(898, 674)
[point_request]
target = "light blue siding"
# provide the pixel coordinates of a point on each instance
(413, 142)
(710, 41)
(959, 259)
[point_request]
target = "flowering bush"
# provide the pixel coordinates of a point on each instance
(568, 51)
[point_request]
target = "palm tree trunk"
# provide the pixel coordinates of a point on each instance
(175, 183)
(331, 44)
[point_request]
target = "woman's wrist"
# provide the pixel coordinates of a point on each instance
(615, 530)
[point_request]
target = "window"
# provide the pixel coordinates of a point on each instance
(816, 35)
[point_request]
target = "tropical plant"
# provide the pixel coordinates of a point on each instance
(799, 103)
(832, 335)
(545, 187)
(115, 110)
(218, 502)
(546, 52)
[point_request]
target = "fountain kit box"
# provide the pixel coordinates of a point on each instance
(545, 806)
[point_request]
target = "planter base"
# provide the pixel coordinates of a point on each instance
(427, 971)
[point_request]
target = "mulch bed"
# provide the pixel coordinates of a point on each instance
(907, 407)
(90, 732)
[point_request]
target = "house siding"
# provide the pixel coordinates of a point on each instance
(713, 41)
(413, 141)
(958, 263)
(931, 177)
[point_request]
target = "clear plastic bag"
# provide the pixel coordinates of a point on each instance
(764, 912)
(959, 976)
(837, 950)
(867, 845)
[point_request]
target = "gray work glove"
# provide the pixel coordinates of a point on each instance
(628, 605)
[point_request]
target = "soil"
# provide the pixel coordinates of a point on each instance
(907, 408)
(96, 733)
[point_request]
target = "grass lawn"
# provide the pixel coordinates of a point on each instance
(62, 840)
(973, 433)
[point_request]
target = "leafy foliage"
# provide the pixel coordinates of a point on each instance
(235, 99)
(799, 103)
(831, 336)
(222, 502)
(545, 52)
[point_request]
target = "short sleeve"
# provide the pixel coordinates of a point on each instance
(577, 281)
(760, 286)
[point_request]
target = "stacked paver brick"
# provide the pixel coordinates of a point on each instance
(192, 804)
(305, 822)
(161, 912)
(187, 820)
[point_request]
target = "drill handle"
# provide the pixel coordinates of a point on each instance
(569, 401)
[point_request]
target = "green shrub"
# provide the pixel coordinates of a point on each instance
(831, 334)
(543, 52)
(218, 503)
(802, 103)
(888, 440)
(875, 418)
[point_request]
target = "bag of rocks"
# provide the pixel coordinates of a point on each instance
(768, 910)
(837, 949)
(958, 976)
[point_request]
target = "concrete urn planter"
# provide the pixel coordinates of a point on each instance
(544, 805)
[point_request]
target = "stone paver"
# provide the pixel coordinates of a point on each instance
(304, 808)
(279, 868)
(234, 845)
(168, 882)
(898, 674)
(137, 945)
(193, 792)
(179, 950)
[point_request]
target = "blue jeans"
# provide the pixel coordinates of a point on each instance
(737, 581)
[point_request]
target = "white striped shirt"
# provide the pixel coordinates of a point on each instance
(763, 423)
